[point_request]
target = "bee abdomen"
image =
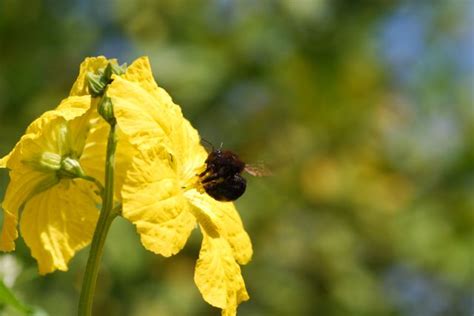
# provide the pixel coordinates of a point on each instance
(226, 189)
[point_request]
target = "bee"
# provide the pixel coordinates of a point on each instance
(223, 178)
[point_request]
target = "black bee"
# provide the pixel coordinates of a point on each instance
(223, 179)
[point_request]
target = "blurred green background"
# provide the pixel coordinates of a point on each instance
(363, 110)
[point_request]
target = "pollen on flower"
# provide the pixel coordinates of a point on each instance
(194, 181)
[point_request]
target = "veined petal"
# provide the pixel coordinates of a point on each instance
(151, 120)
(147, 114)
(140, 72)
(123, 159)
(139, 114)
(9, 231)
(93, 156)
(153, 202)
(69, 109)
(53, 139)
(58, 222)
(8, 161)
(188, 153)
(90, 64)
(225, 218)
(218, 276)
(24, 183)
(78, 111)
(206, 219)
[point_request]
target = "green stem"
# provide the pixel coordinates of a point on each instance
(107, 215)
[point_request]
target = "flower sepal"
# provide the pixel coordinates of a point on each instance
(96, 84)
(114, 69)
(98, 81)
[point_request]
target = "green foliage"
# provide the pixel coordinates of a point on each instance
(7, 298)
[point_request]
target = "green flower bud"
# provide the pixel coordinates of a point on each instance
(99, 81)
(70, 168)
(96, 84)
(113, 69)
(107, 75)
(106, 110)
(118, 69)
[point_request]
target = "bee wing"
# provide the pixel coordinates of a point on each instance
(257, 170)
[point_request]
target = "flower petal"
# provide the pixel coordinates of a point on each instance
(90, 64)
(123, 159)
(93, 156)
(225, 217)
(152, 200)
(24, 183)
(140, 114)
(188, 153)
(148, 115)
(9, 231)
(140, 72)
(69, 109)
(218, 276)
(4, 159)
(145, 111)
(8, 161)
(58, 222)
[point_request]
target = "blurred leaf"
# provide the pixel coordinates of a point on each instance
(8, 298)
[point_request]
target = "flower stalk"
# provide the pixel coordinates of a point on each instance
(107, 215)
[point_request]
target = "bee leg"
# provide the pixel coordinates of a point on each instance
(212, 182)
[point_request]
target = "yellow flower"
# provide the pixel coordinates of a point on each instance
(58, 208)
(47, 170)
(162, 194)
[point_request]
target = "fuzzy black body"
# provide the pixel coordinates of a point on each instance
(222, 178)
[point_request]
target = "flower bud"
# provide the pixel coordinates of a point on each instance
(96, 84)
(70, 168)
(113, 69)
(106, 110)
(107, 74)
(118, 69)
(99, 81)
